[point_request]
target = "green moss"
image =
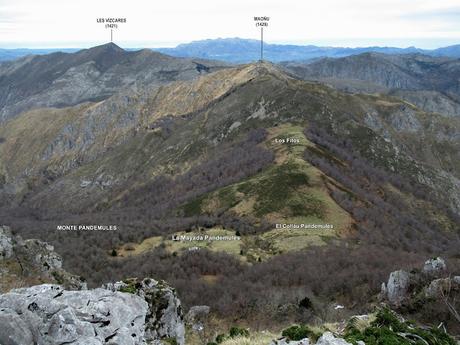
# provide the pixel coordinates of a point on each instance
(131, 286)
(58, 277)
(170, 341)
(128, 289)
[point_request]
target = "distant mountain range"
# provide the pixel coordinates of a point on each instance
(247, 50)
(238, 50)
(11, 54)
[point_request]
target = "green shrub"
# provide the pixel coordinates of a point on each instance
(130, 287)
(220, 338)
(387, 318)
(387, 329)
(297, 333)
(193, 208)
(236, 332)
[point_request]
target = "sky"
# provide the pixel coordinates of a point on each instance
(166, 23)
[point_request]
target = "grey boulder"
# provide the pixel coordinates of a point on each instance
(164, 319)
(49, 315)
(284, 341)
(434, 267)
(329, 339)
(197, 313)
(397, 287)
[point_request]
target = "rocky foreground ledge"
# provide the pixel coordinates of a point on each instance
(64, 311)
(125, 313)
(148, 312)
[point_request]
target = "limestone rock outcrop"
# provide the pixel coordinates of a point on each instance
(408, 289)
(164, 319)
(143, 312)
(47, 314)
(434, 267)
(441, 287)
(284, 341)
(398, 286)
(31, 262)
(329, 339)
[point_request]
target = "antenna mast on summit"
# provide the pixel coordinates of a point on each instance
(261, 43)
(261, 22)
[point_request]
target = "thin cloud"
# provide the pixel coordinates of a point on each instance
(445, 14)
(152, 22)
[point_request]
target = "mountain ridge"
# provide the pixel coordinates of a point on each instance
(429, 82)
(89, 134)
(63, 79)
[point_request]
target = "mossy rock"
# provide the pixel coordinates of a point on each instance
(170, 341)
(132, 285)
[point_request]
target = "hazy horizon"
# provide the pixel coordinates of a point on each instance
(342, 43)
(398, 23)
